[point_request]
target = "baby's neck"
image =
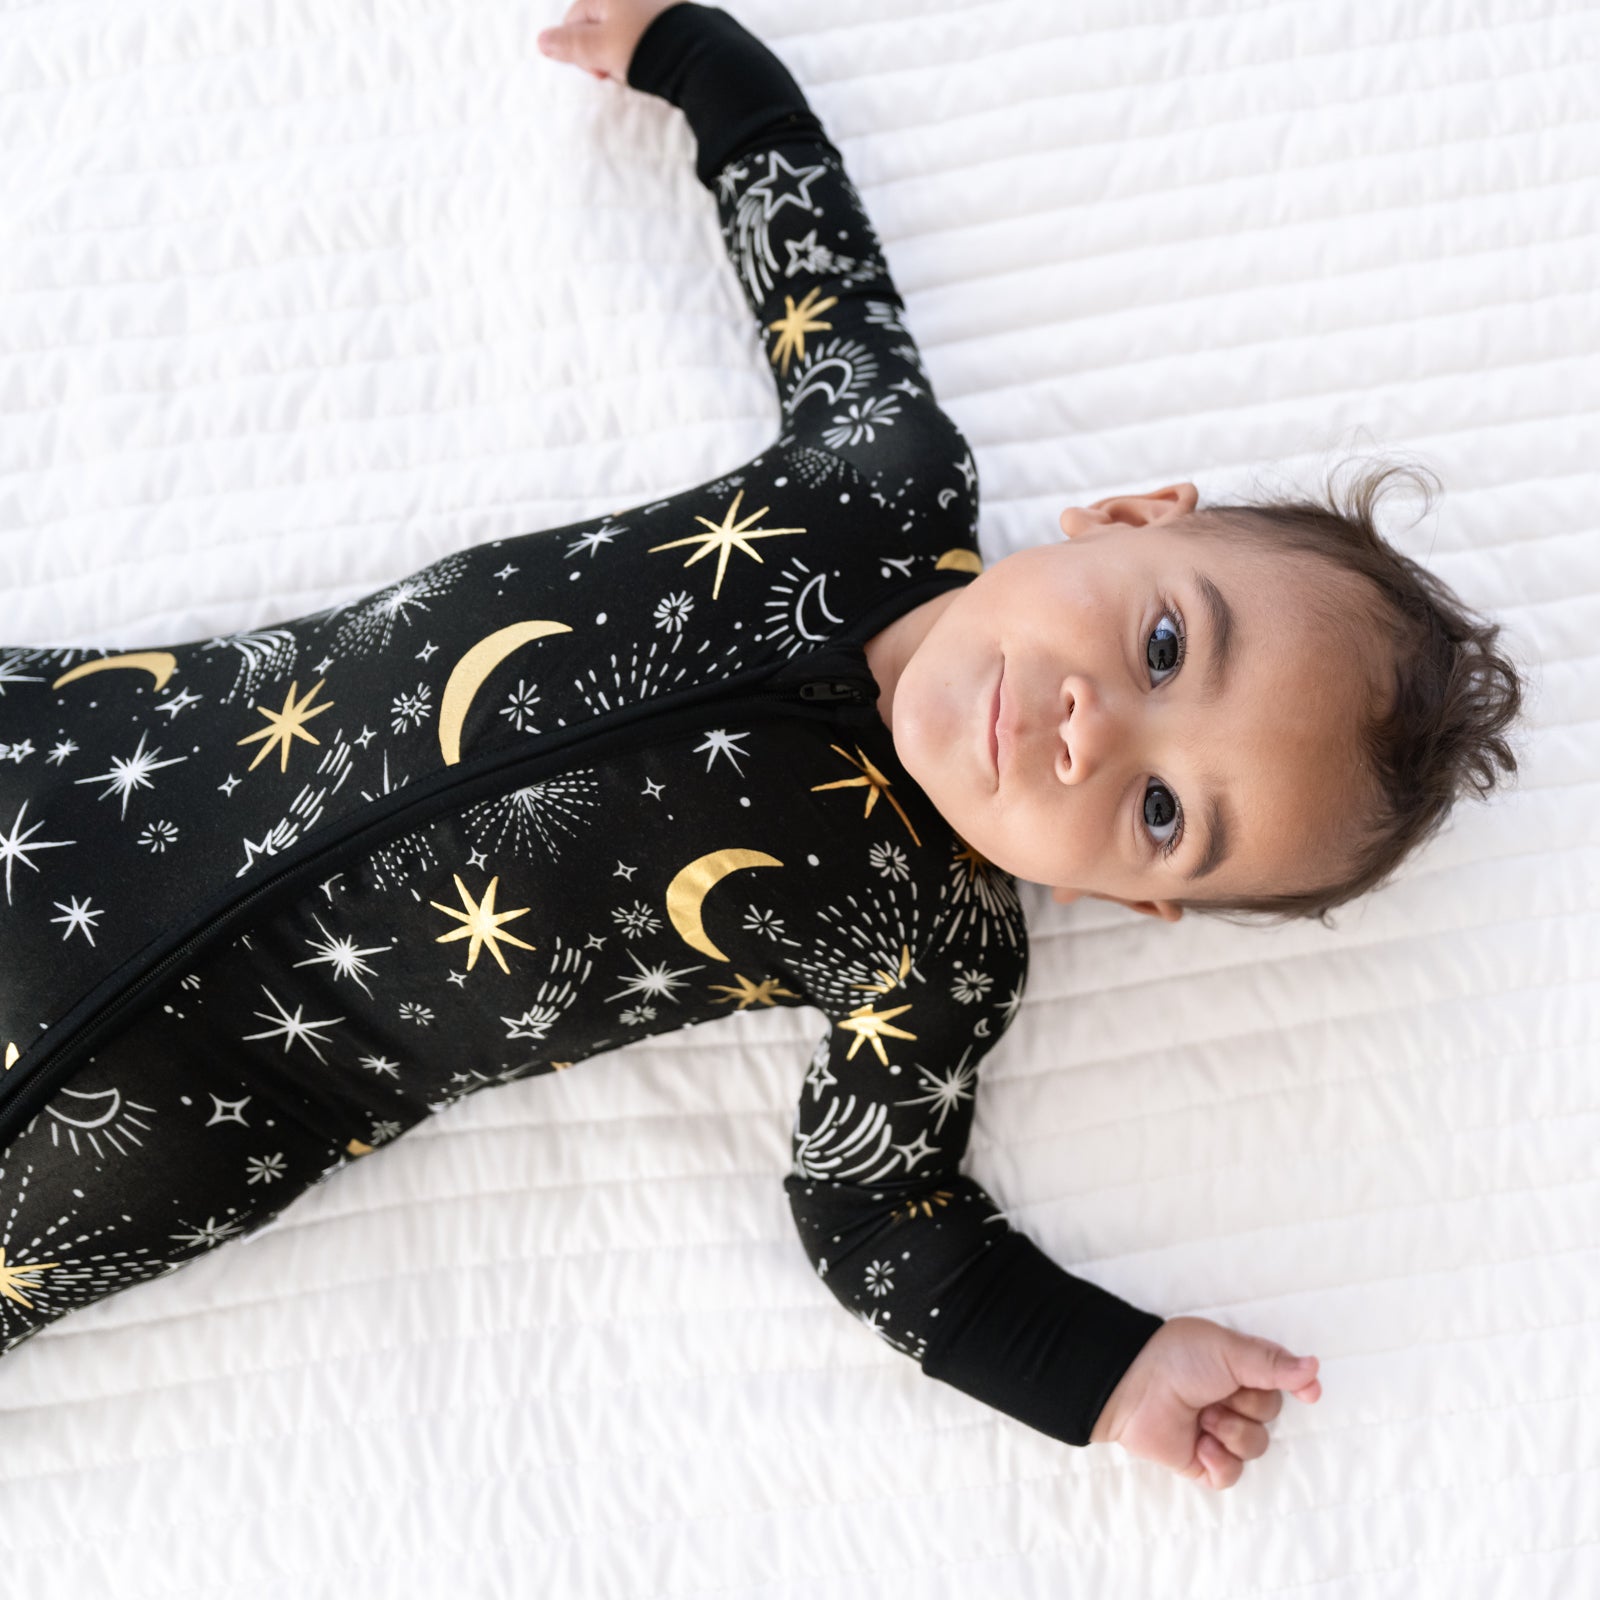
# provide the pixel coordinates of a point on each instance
(889, 650)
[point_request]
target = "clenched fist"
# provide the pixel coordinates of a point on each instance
(600, 35)
(1198, 1396)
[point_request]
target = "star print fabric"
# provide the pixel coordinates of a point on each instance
(540, 799)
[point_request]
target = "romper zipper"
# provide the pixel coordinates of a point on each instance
(825, 684)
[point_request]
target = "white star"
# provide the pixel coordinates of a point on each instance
(720, 743)
(228, 787)
(324, 664)
(324, 886)
(652, 788)
(477, 858)
(426, 652)
(947, 1092)
(60, 752)
(179, 702)
(291, 1028)
(507, 570)
(910, 388)
(342, 955)
(595, 941)
(19, 752)
(967, 470)
(624, 872)
(457, 978)
(77, 917)
(771, 200)
(213, 1232)
(593, 539)
(917, 1149)
(229, 1110)
(366, 736)
(131, 772)
(656, 980)
(15, 847)
(380, 1065)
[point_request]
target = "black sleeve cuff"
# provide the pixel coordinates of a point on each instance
(1035, 1342)
(734, 91)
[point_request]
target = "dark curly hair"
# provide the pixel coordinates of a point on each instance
(1437, 720)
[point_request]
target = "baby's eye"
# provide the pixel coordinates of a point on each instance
(1161, 811)
(1163, 650)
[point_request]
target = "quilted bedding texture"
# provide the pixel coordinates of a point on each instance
(297, 297)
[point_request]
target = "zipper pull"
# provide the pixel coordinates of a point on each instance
(831, 689)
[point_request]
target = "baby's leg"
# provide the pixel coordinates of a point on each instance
(136, 1166)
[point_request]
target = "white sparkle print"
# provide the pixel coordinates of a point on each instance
(57, 1268)
(643, 677)
(659, 980)
(869, 944)
(842, 1149)
(78, 918)
(637, 919)
(970, 985)
(889, 861)
(341, 954)
(291, 1028)
(131, 772)
(81, 1118)
(264, 1169)
(157, 836)
(859, 420)
(569, 970)
(372, 619)
(880, 1277)
(410, 710)
(983, 902)
(945, 1092)
(18, 845)
(207, 1235)
(837, 370)
(519, 707)
(720, 742)
(264, 654)
(672, 612)
(412, 1012)
(537, 814)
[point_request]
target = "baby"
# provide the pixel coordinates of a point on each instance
(777, 739)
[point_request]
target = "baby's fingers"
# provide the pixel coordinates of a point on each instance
(1242, 1436)
(1262, 1404)
(1222, 1467)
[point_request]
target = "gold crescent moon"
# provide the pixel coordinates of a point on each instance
(959, 560)
(686, 892)
(160, 664)
(467, 676)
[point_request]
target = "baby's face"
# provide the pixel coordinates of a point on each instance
(1111, 750)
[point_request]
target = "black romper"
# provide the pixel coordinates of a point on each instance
(271, 899)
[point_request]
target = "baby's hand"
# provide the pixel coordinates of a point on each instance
(1197, 1398)
(600, 35)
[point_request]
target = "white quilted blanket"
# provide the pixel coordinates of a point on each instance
(299, 295)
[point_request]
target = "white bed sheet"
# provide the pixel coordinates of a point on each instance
(296, 297)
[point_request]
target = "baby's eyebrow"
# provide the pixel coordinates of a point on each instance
(1219, 838)
(1220, 632)
(1222, 638)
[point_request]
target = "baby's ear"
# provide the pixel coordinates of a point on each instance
(1155, 908)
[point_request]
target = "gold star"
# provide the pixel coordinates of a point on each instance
(886, 979)
(749, 993)
(13, 1280)
(723, 537)
(482, 922)
(874, 780)
(287, 724)
(797, 323)
(939, 1197)
(872, 1026)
